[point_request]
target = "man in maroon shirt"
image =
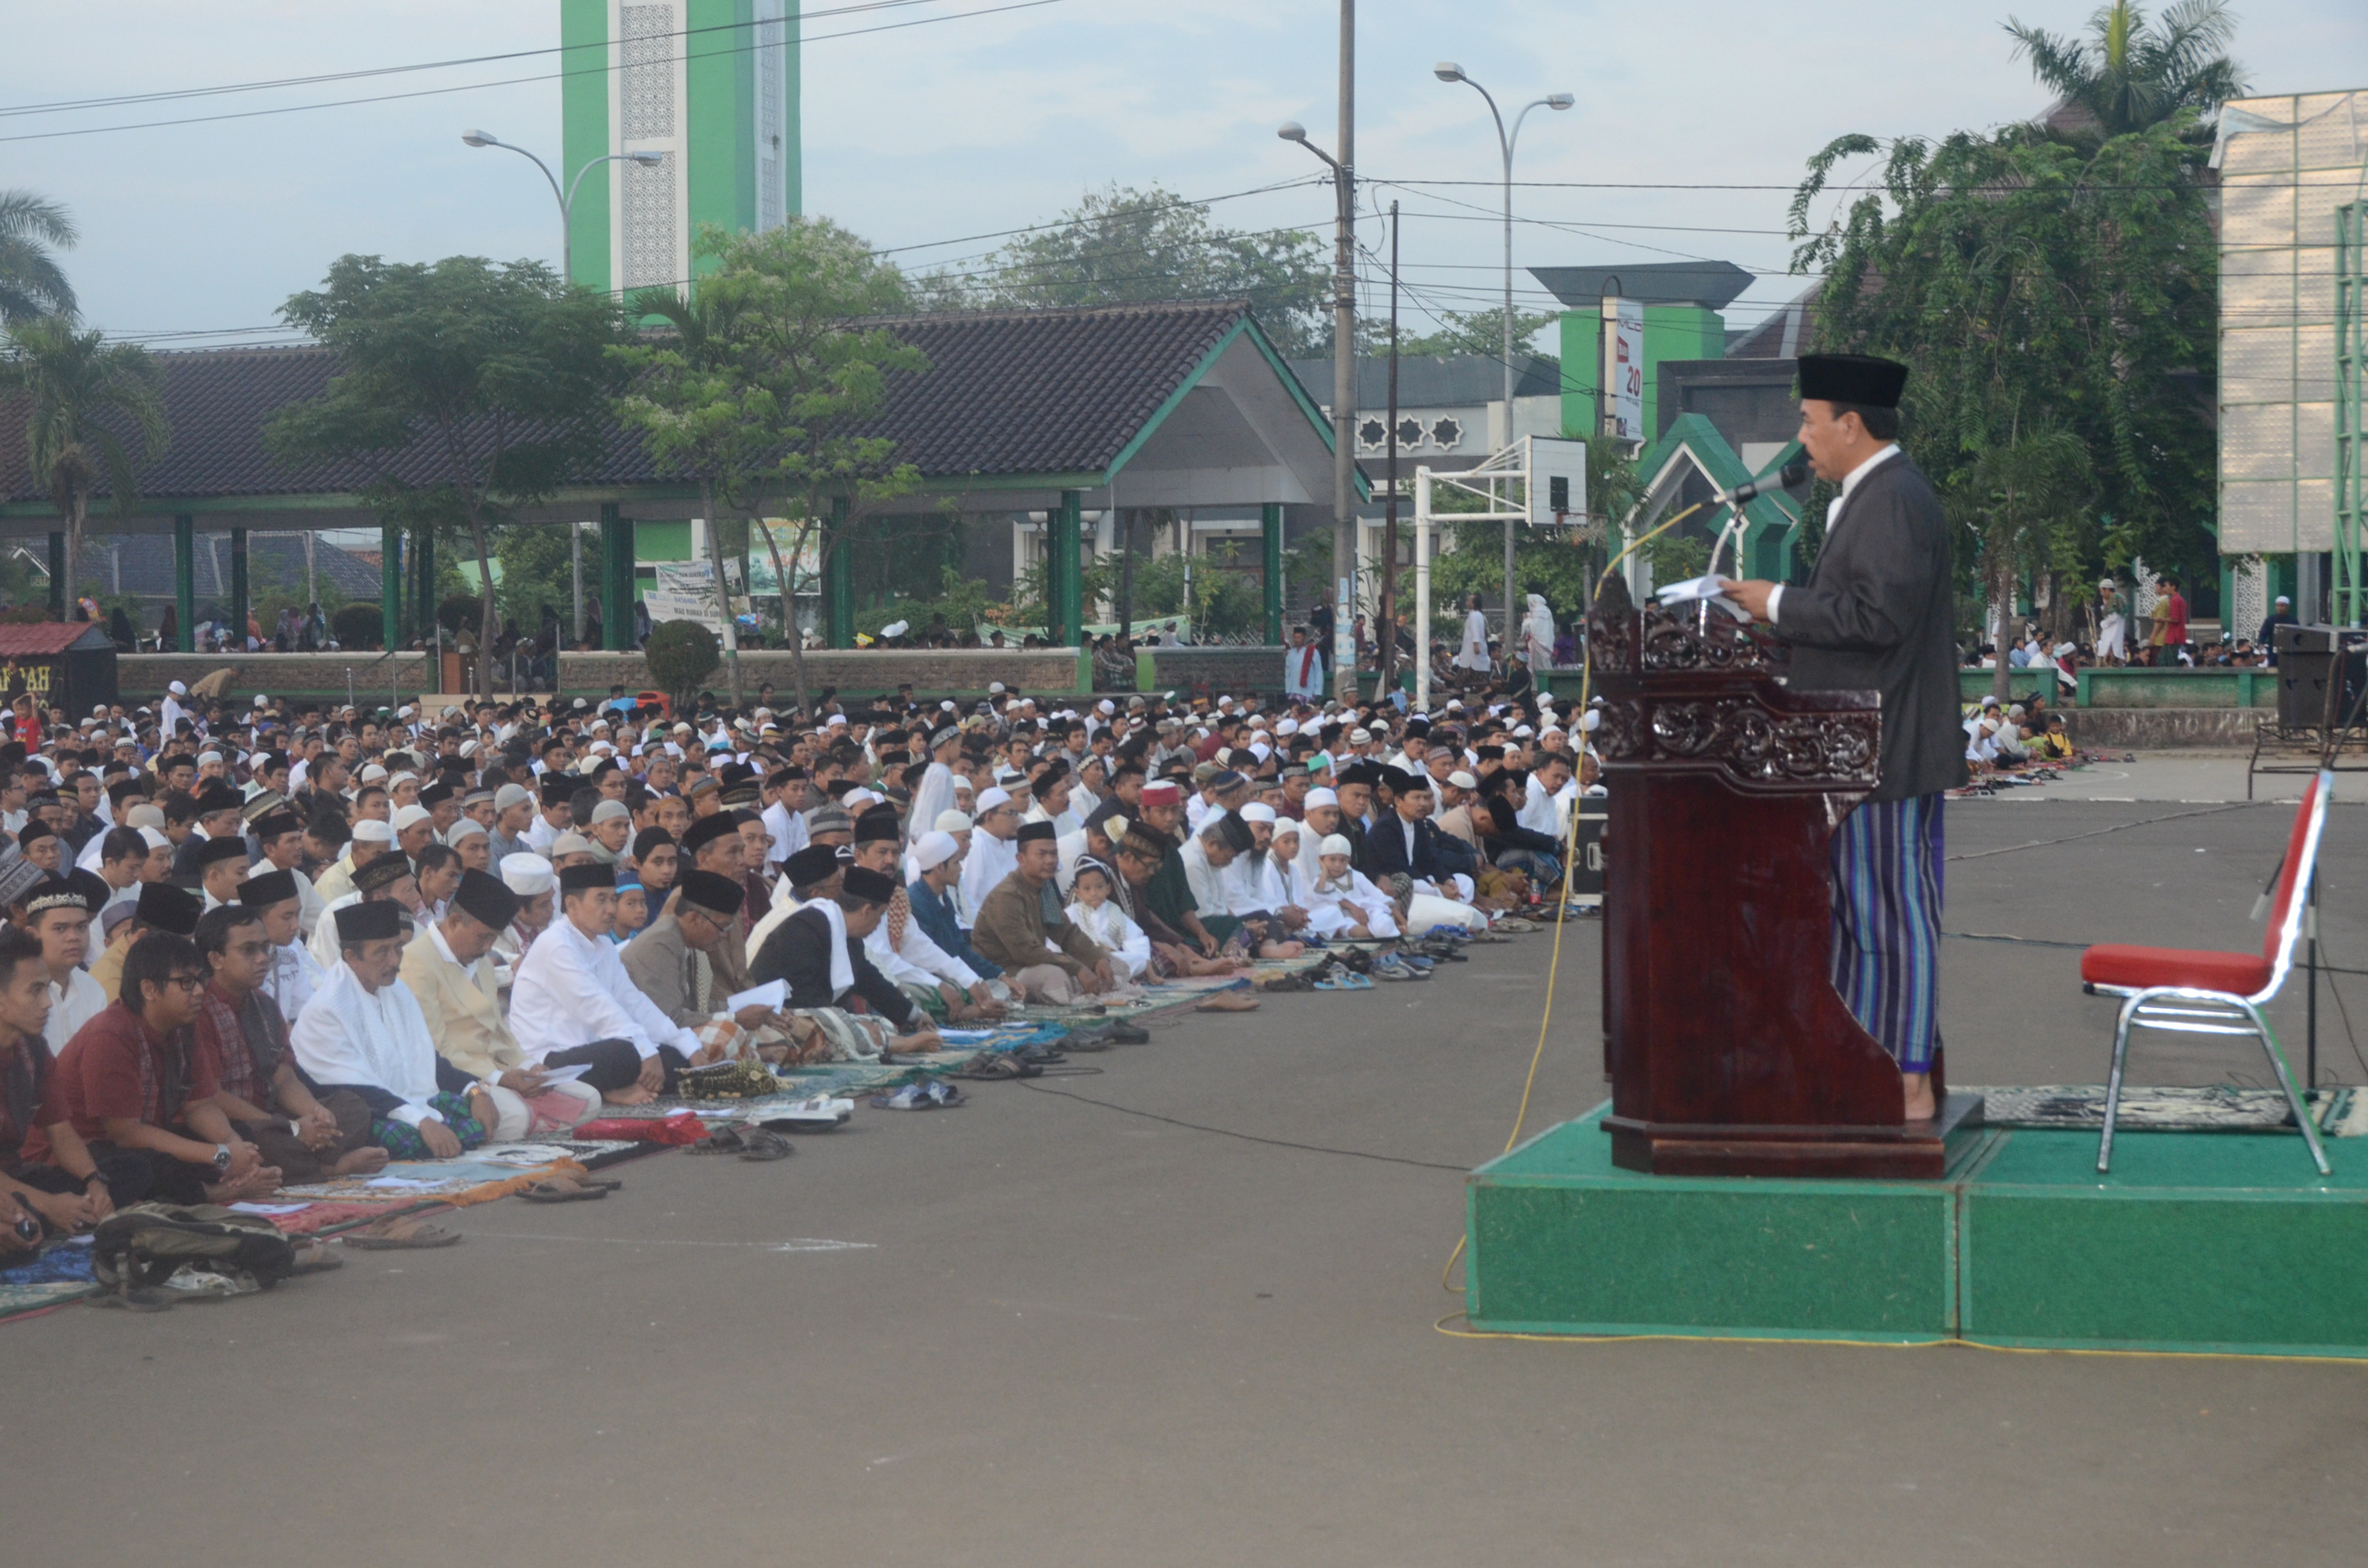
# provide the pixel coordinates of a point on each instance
(131, 1084)
(2169, 619)
(68, 1192)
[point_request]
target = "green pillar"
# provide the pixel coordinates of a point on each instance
(1270, 538)
(389, 577)
(422, 607)
(185, 581)
(1064, 579)
(838, 576)
(58, 575)
(238, 586)
(617, 556)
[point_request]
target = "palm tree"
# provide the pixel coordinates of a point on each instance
(81, 388)
(30, 283)
(2127, 75)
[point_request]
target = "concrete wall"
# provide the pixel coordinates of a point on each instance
(1212, 672)
(2162, 728)
(143, 676)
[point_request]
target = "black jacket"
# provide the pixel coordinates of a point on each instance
(1878, 614)
(1385, 844)
(799, 952)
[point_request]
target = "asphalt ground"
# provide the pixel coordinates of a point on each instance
(1038, 1329)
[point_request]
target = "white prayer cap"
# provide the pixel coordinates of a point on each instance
(1462, 780)
(1256, 811)
(1333, 845)
(855, 801)
(951, 821)
(1522, 732)
(1106, 707)
(1260, 750)
(1360, 735)
(838, 721)
(1550, 730)
(409, 816)
(527, 874)
(947, 706)
(610, 811)
(462, 829)
(1286, 827)
(401, 779)
(369, 830)
(934, 849)
(1287, 728)
(895, 629)
(1114, 828)
(992, 799)
(1592, 719)
(570, 843)
(1319, 796)
(405, 711)
(178, 690)
(261, 700)
(155, 840)
(374, 774)
(209, 755)
(995, 688)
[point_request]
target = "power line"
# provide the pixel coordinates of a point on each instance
(506, 82)
(68, 105)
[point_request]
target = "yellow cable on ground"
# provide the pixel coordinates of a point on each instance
(1569, 867)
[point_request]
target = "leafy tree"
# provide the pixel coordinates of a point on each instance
(2023, 501)
(1467, 332)
(680, 654)
(358, 625)
(2126, 76)
(31, 283)
(537, 570)
(1122, 247)
(465, 387)
(2034, 285)
(81, 389)
(774, 344)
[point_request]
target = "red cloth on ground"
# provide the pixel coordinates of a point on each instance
(643, 1129)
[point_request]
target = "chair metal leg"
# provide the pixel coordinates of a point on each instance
(2113, 1082)
(2293, 1095)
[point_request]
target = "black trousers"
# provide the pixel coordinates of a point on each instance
(117, 1168)
(616, 1064)
(143, 1175)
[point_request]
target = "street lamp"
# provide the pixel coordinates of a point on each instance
(1344, 402)
(1448, 70)
(567, 197)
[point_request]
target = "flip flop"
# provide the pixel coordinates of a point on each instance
(942, 1093)
(759, 1145)
(722, 1140)
(993, 1065)
(1345, 981)
(394, 1235)
(560, 1189)
(912, 1097)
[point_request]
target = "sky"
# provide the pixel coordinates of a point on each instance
(983, 119)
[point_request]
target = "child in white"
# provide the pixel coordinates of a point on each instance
(1343, 903)
(1091, 911)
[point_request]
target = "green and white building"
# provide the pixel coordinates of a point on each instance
(712, 86)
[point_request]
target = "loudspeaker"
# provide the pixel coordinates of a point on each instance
(2307, 657)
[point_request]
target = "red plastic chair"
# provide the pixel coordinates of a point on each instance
(2210, 993)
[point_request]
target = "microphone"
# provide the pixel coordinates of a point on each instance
(1791, 476)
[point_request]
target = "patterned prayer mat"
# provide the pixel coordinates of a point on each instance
(2340, 1113)
(471, 1178)
(60, 1272)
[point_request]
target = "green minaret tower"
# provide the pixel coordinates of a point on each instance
(710, 85)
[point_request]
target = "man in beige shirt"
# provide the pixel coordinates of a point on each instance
(446, 968)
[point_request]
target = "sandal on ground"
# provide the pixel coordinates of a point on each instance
(394, 1235)
(758, 1145)
(562, 1190)
(722, 1140)
(1095, 1039)
(314, 1257)
(942, 1093)
(993, 1065)
(1228, 1002)
(1345, 981)
(820, 1114)
(912, 1097)
(1126, 1034)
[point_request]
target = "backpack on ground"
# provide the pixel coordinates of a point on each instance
(149, 1243)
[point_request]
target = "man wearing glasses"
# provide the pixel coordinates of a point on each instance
(133, 1087)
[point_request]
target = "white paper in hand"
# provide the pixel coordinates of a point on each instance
(1694, 588)
(772, 993)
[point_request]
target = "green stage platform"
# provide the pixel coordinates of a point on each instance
(2224, 1242)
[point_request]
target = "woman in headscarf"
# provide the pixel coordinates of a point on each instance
(1537, 634)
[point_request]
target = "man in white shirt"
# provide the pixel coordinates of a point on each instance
(573, 1004)
(993, 856)
(363, 1031)
(58, 913)
(295, 973)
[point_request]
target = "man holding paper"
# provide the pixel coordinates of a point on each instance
(673, 963)
(1878, 613)
(450, 976)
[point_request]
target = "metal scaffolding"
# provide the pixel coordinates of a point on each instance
(2351, 407)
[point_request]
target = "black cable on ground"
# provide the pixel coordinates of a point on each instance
(2117, 827)
(1245, 1137)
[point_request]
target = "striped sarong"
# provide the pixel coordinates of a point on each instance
(1886, 862)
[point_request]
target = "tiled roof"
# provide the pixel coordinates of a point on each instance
(45, 639)
(1009, 392)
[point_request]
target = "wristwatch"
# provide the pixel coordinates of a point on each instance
(98, 1177)
(221, 1158)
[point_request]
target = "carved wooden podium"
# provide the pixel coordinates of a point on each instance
(1729, 1051)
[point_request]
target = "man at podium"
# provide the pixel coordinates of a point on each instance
(1878, 614)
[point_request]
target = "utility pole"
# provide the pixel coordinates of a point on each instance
(1386, 621)
(1344, 372)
